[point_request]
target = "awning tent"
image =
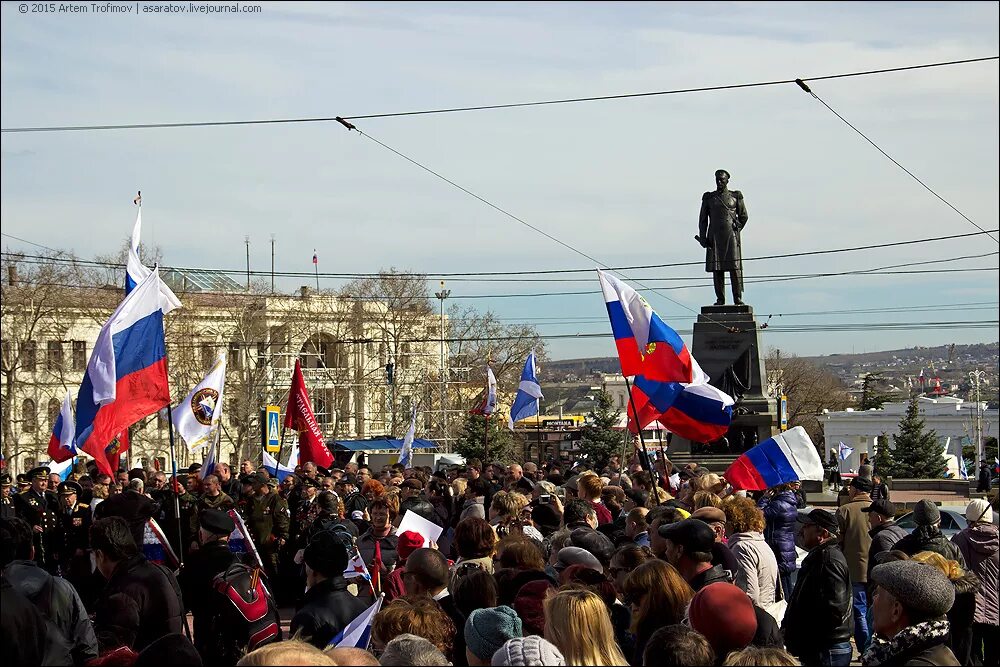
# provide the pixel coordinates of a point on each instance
(377, 444)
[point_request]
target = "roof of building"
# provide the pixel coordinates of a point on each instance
(200, 280)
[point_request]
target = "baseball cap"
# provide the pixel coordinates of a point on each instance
(692, 534)
(821, 518)
(881, 506)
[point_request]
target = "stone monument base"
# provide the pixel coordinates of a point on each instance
(727, 345)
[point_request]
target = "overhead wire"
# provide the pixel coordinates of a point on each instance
(467, 276)
(896, 162)
(485, 107)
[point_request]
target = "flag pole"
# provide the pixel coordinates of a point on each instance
(177, 500)
(642, 441)
(538, 429)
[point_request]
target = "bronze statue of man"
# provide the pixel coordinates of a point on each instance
(723, 216)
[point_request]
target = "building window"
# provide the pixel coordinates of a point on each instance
(54, 407)
(235, 359)
(79, 355)
(29, 356)
(29, 416)
(207, 355)
(54, 356)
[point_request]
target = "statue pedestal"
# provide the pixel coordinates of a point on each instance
(727, 345)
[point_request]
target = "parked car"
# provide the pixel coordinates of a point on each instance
(952, 522)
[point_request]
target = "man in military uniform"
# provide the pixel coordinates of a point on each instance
(210, 559)
(6, 498)
(268, 523)
(23, 482)
(723, 216)
(72, 540)
(212, 498)
(39, 507)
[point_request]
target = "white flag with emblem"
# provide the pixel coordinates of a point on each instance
(198, 416)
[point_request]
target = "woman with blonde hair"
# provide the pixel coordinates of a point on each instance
(577, 622)
(963, 611)
(757, 568)
(658, 596)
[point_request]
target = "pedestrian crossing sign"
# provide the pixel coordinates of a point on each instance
(273, 428)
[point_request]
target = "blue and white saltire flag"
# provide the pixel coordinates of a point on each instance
(281, 471)
(406, 449)
(358, 633)
(136, 272)
(63, 469)
(208, 467)
(843, 451)
(528, 393)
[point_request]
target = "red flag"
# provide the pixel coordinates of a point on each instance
(299, 417)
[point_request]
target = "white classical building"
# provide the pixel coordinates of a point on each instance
(952, 419)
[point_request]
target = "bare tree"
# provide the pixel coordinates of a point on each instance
(810, 390)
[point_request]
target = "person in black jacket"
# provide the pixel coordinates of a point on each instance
(142, 601)
(212, 558)
(132, 506)
(927, 535)
(427, 573)
(23, 630)
(884, 533)
(818, 622)
(328, 606)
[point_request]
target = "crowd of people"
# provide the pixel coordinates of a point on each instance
(534, 565)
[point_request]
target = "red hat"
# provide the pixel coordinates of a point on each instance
(725, 616)
(529, 605)
(409, 542)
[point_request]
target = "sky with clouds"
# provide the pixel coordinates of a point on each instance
(619, 180)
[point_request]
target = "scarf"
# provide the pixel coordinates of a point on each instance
(909, 640)
(376, 574)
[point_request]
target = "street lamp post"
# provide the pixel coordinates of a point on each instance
(442, 295)
(977, 376)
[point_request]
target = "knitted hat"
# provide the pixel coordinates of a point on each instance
(530, 605)
(926, 513)
(486, 630)
(528, 651)
(979, 511)
(577, 556)
(409, 541)
(865, 471)
(724, 615)
(918, 586)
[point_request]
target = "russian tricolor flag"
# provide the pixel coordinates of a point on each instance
(787, 457)
(646, 345)
(126, 377)
(62, 446)
(698, 412)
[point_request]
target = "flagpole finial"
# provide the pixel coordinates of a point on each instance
(138, 198)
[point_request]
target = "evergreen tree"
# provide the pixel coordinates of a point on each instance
(918, 453)
(884, 463)
(600, 439)
(872, 398)
(471, 441)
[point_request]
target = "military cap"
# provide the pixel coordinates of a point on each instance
(260, 479)
(193, 468)
(247, 478)
(273, 482)
(309, 481)
(41, 472)
(67, 488)
(23, 480)
(217, 522)
(5, 479)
